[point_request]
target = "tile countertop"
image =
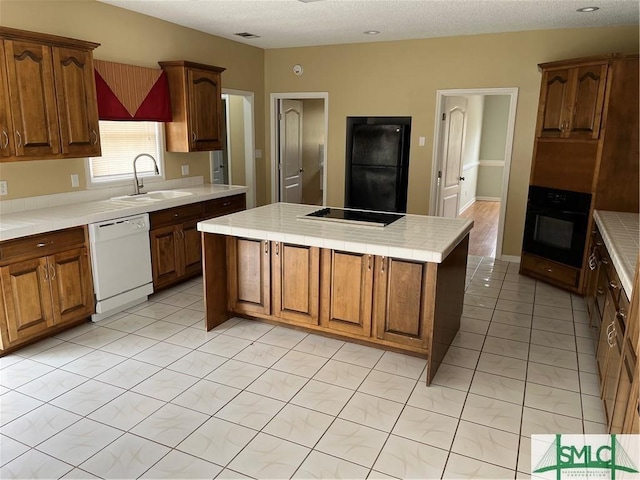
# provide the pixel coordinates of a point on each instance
(621, 234)
(413, 237)
(29, 222)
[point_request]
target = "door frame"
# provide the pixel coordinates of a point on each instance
(275, 153)
(249, 144)
(437, 157)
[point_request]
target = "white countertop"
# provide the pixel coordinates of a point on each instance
(621, 235)
(413, 237)
(40, 220)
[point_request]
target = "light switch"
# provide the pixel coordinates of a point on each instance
(258, 153)
(421, 141)
(75, 182)
(185, 169)
(3, 187)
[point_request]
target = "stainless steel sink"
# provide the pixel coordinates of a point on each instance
(151, 197)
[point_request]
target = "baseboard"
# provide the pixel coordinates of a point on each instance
(473, 200)
(510, 258)
(488, 199)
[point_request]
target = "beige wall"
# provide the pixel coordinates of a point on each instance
(495, 119)
(235, 127)
(129, 37)
(401, 78)
(312, 135)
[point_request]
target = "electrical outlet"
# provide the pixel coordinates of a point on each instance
(258, 153)
(75, 182)
(3, 187)
(185, 169)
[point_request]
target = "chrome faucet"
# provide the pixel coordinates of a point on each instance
(138, 184)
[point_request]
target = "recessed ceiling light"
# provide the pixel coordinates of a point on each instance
(371, 32)
(587, 9)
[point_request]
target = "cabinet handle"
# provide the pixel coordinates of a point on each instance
(19, 139)
(95, 137)
(226, 204)
(611, 325)
(600, 291)
(369, 267)
(53, 272)
(44, 244)
(622, 315)
(277, 248)
(593, 262)
(550, 270)
(599, 243)
(6, 139)
(176, 214)
(45, 272)
(193, 136)
(383, 262)
(605, 261)
(613, 285)
(266, 248)
(611, 338)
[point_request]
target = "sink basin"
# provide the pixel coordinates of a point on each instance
(150, 197)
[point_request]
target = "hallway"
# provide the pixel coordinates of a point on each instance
(482, 240)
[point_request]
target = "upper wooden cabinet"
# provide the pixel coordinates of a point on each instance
(49, 107)
(571, 101)
(196, 105)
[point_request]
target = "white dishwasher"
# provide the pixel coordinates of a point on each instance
(121, 264)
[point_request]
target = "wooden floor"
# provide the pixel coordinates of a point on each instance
(482, 240)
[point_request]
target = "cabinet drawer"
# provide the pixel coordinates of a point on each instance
(173, 216)
(224, 206)
(548, 270)
(41, 244)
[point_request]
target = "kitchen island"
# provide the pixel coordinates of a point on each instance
(398, 287)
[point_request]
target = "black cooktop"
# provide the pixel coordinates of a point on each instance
(356, 216)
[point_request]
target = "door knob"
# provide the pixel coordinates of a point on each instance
(301, 170)
(462, 179)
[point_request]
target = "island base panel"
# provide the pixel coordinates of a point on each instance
(214, 273)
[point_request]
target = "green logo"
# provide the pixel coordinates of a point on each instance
(579, 457)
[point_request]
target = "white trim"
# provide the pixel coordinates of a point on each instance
(249, 144)
(469, 203)
(435, 163)
(273, 115)
(488, 199)
(510, 258)
(468, 167)
(491, 163)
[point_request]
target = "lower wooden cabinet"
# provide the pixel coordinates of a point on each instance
(176, 250)
(296, 282)
(403, 303)
(347, 292)
(552, 272)
(45, 283)
(249, 276)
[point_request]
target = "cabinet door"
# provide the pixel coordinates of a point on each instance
(26, 295)
(205, 105)
(347, 292)
(191, 248)
(623, 392)
(554, 96)
(584, 110)
(165, 264)
(77, 104)
(296, 282)
(71, 285)
(606, 338)
(33, 100)
(249, 276)
(401, 301)
(612, 370)
(6, 128)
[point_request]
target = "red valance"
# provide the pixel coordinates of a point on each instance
(131, 93)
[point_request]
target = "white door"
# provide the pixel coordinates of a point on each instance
(290, 151)
(454, 118)
(220, 158)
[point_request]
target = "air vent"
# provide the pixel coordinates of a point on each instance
(247, 35)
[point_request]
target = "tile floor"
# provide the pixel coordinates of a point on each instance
(150, 394)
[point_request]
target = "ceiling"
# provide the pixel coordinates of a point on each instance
(302, 23)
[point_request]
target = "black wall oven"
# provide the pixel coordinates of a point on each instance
(556, 224)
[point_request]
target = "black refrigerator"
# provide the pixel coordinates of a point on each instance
(377, 170)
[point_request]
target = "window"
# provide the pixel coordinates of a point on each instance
(121, 142)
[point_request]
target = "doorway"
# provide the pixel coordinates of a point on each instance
(299, 123)
(472, 159)
(235, 163)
